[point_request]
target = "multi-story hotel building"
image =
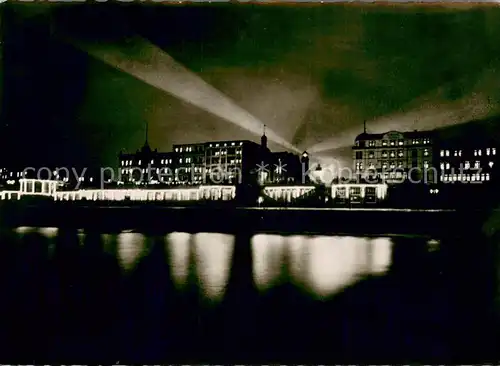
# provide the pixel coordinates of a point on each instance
(395, 156)
(216, 162)
(467, 161)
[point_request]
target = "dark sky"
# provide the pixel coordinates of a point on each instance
(312, 73)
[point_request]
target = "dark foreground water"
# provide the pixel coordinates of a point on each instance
(76, 296)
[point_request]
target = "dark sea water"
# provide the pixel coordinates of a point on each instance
(87, 296)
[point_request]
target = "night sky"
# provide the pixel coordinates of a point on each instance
(312, 73)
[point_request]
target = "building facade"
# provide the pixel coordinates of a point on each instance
(215, 162)
(470, 161)
(395, 157)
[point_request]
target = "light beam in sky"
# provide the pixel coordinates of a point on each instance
(146, 62)
(428, 112)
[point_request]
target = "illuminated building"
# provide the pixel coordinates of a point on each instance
(395, 156)
(467, 161)
(215, 162)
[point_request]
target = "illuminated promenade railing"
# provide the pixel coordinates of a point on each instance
(355, 192)
(287, 193)
(49, 188)
(212, 193)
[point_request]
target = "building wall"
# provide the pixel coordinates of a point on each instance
(395, 156)
(466, 164)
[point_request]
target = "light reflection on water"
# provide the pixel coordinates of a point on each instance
(322, 265)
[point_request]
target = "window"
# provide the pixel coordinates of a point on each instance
(490, 164)
(455, 153)
(441, 153)
(140, 162)
(426, 164)
(359, 155)
(400, 153)
(477, 164)
(426, 152)
(392, 143)
(467, 165)
(384, 154)
(180, 160)
(152, 161)
(447, 152)
(400, 142)
(493, 151)
(442, 166)
(384, 142)
(487, 176)
(384, 165)
(488, 151)
(459, 152)
(447, 165)
(393, 154)
(400, 164)
(359, 166)
(371, 154)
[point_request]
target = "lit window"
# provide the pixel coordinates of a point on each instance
(488, 151)
(442, 166)
(216, 145)
(475, 152)
(473, 177)
(384, 143)
(459, 152)
(467, 165)
(468, 177)
(441, 153)
(392, 143)
(140, 162)
(400, 142)
(176, 149)
(152, 161)
(180, 149)
(384, 166)
(400, 153)
(493, 151)
(447, 152)
(426, 164)
(371, 155)
(400, 164)
(371, 143)
(482, 177)
(487, 176)
(445, 178)
(393, 154)
(384, 154)
(210, 145)
(447, 165)
(477, 164)
(241, 143)
(180, 160)
(426, 152)
(490, 164)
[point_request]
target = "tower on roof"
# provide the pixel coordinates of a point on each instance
(263, 139)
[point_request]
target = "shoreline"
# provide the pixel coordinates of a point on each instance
(231, 219)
